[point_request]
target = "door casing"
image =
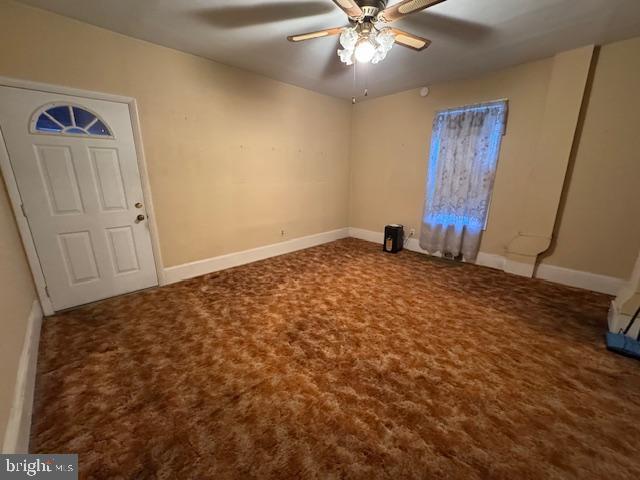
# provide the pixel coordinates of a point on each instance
(14, 194)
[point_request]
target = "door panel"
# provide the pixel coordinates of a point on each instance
(123, 250)
(59, 179)
(79, 257)
(106, 167)
(79, 192)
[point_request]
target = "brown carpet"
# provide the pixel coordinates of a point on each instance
(341, 362)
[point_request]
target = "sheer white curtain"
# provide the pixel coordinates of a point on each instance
(465, 145)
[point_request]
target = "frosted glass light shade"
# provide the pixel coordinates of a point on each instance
(365, 51)
(370, 47)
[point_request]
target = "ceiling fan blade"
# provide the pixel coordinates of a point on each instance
(329, 32)
(350, 7)
(410, 40)
(259, 13)
(406, 7)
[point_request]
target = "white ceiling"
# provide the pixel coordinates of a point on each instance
(469, 36)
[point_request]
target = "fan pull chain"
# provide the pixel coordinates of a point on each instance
(366, 80)
(353, 99)
(355, 83)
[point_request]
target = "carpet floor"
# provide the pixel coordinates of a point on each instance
(341, 362)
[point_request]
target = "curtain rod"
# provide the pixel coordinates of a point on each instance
(474, 105)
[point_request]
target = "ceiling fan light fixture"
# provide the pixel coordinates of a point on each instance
(346, 56)
(365, 45)
(349, 38)
(385, 40)
(369, 39)
(365, 51)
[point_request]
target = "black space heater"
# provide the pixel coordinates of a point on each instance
(393, 238)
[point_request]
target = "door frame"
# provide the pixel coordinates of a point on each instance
(16, 201)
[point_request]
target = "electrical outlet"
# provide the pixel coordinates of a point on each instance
(282, 233)
(412, 232)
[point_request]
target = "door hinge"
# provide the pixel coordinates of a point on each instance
(46, 290)
(24, 212)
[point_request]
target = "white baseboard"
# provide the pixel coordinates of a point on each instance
(579, 279)
(552, 273)
(209, 265)
(491, 260)
(519, 268)
(413, 244)
(16, 436)
(367, 235)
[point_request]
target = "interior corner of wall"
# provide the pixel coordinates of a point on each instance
(523, 265)
(631, 304)
(528, 245)
(628, 299)
(583, 55)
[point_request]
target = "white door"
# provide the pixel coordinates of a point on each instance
(74, 160)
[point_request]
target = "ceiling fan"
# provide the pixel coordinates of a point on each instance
(368, 38)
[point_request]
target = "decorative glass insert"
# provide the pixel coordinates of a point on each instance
(69, 120)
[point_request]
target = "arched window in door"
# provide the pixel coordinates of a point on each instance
(66, 119)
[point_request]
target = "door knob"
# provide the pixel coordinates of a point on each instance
(139, 218)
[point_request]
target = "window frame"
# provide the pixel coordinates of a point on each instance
(46, 107)
(466, 108)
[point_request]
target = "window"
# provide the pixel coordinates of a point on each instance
(465, 144)
(62, 119)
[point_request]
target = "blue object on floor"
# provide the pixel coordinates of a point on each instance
(622, 344)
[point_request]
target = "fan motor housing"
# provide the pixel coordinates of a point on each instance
(381, 4)
(370, 8)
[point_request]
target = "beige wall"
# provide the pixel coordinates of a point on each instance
(233, 157)
(546, 175)
(16, 300)
(599, 226)
(391, 139)
(598, 230)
